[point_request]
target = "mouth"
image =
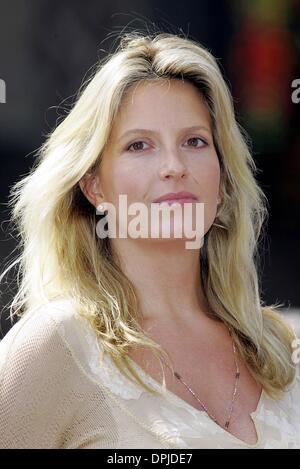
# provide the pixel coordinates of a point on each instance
(176, 197)
(180, 201)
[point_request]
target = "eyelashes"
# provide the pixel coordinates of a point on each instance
(134, 143)
(197, 138)
(128, 148)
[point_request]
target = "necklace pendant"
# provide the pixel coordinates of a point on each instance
(227, 424)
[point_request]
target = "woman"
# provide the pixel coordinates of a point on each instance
(106, 320)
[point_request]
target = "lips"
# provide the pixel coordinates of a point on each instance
(180, 197)
(176, 201)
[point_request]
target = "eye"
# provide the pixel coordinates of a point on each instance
(136, 146)
(194, 142)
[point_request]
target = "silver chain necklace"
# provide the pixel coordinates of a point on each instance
(234, 394)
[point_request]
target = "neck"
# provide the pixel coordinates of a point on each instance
(166, 277)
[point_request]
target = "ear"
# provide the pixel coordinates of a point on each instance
(90, 186)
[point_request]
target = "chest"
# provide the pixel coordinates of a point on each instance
(208, 381)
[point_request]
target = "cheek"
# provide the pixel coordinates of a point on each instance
(208, 178)
(121, 180)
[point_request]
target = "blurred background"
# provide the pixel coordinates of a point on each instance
(47, 49)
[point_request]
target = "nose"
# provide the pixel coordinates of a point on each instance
(171, 165)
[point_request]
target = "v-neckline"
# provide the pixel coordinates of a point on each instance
(182, 403)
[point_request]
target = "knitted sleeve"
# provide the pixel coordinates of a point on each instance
(37, 374)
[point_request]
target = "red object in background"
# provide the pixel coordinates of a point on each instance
(263, 64)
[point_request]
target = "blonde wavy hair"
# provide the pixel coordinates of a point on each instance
(61, 254)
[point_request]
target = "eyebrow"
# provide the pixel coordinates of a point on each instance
(149, 131)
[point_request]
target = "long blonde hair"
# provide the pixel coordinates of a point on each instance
(62, 256)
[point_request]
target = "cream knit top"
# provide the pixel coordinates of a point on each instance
(55, 392)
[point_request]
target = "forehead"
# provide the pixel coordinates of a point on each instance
(157, 91)
(162, 101)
